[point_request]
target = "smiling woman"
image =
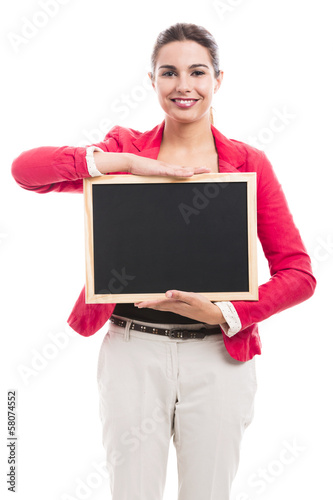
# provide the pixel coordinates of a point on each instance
(192, 33)
(188, 86)
(182, 366)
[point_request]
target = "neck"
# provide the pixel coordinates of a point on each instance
(188, 135)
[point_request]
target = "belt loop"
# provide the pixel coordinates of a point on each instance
(127, 331)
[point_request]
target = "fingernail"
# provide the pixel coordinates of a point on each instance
(168, 294)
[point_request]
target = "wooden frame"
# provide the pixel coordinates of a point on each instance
(249, 178)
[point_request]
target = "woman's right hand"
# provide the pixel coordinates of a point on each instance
(140, 165)
(107, 163)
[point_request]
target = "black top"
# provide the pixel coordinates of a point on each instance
(150, 315)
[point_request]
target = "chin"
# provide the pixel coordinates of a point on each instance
(189, 118)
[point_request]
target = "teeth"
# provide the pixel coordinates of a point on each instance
(185, 102)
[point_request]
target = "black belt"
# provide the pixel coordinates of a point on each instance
(172, 333)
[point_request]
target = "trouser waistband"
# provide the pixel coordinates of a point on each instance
(190, 331)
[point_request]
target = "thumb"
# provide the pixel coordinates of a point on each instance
(178, 295)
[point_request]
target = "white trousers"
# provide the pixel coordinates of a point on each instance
(153, 388)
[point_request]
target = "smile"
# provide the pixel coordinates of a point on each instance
(184, 103)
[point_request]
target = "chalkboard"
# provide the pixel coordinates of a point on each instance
(146, 235)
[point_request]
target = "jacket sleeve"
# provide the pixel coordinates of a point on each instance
(291, 279)
(59, 169)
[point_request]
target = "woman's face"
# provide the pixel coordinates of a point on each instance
(185, 80)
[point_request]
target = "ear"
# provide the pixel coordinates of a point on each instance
(151, 79)
(218, 82)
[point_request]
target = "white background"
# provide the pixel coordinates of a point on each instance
(58, 87)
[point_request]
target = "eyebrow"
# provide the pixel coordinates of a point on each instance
(170, 66)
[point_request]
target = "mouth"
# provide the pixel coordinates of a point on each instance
(184, 103)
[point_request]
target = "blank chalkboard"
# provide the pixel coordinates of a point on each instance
(146, 235)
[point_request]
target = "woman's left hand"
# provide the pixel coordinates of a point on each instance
(189, 304)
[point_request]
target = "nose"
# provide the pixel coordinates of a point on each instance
(183, 83)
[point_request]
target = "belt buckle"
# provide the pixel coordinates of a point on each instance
(178, 334)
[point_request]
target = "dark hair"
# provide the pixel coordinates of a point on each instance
(180, 32)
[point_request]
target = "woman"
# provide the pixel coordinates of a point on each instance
(154, 385)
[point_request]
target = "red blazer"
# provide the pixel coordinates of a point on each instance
(61, 169)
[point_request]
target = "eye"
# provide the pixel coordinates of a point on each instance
(168, 73)
(198, 73)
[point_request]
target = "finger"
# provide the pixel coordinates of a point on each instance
(174, 171)
(150, 303)
(197, 170)
(202, 170)
(174, 306)
(183, 172)
(188, 171)
(164, 304)
(180, 295)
